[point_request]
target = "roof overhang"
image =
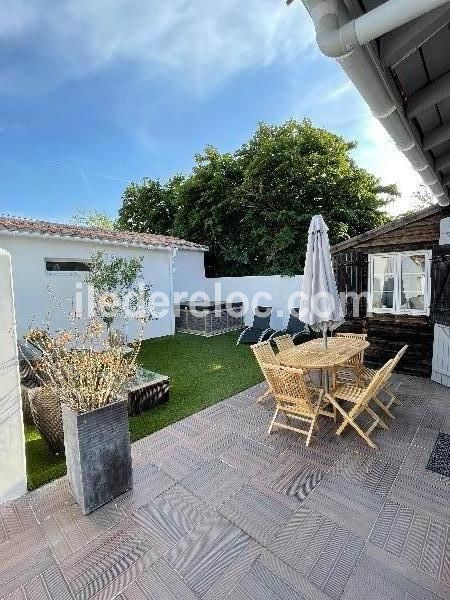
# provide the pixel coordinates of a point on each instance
(387, 228)
(397, 54)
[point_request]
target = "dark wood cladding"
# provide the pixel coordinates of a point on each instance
(419, 235)
(351, 269)
(440, 289)
(388, 333)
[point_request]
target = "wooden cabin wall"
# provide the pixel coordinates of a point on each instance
(387, 334)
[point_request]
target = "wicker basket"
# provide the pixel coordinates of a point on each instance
(46, 410)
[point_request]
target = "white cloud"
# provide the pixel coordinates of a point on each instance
(16, 18)
(198, 43)
(378, 153)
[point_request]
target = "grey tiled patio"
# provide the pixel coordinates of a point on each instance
(220, 509)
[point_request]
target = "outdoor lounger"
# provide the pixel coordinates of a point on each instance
(260, 330)
(298, 330)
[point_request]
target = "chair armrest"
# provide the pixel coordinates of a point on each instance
(241, 334)
(277, 333)
(265, 334)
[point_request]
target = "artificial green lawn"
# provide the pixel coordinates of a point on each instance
(202, 371)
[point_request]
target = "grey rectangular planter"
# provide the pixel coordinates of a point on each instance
(98, 454)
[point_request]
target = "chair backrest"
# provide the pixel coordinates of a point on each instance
(377, 382)
(261, 320)
(357, 360)
(294, 324)
(357, 336)
(284, 342)
(289, 387)
(264, 354)
(397, 358)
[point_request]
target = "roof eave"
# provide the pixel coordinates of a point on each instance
(102, 241)
(391, 226)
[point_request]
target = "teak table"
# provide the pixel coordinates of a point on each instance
(312, 356)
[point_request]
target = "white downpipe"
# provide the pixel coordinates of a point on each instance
(335, 39)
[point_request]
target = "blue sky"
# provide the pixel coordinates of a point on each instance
(96, 94)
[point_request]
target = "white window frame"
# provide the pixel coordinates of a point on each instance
(396, 310)
(64, 273)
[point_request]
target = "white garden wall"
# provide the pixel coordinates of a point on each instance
(282, 293)
(12, 442)
(188, 273)
(34, 304)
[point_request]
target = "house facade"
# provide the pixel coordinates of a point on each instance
(390, 279)
(49, 263)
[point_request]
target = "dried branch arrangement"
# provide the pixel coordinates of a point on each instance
(82, 366)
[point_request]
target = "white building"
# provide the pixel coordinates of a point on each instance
(48, 258)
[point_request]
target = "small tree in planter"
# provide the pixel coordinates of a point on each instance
(113, 278)
(88, 373)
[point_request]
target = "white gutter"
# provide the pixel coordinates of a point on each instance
(334, 39)
(342, 38)
(101, 241)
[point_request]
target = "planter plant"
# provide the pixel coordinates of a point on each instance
(88, 375)
(113, 279)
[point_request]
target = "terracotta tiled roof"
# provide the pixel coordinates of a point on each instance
(126, 238)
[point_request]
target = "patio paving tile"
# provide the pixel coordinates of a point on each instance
(215, 482)
(47, 585)
(15, 518)
(291, 475)
(318, 548)
(249, 456)
(376, 581)
(149, 481)
(158, 582)
(23, 559)
(272, 579)
(258, 510)
(431, 498)
(102, 568)
(213, 557)
(189, 428)
(216, 440)
(220, 509)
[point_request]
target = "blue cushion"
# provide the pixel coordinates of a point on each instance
(260, 321)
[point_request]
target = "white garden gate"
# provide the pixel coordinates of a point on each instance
(441, 346)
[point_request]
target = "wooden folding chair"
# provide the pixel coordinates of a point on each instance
(284, 342)
(368, 374)
(360, 398)
(264, 355)
(295, 399)
(351, 371)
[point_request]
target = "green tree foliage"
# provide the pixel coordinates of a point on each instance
(112, 279)
(93, 218)
(148, 206)
(253, 207)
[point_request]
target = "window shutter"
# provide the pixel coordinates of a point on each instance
(351, 270)
(440, 285)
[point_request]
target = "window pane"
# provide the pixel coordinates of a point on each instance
(383, 282)
(413, 282)
(383, 300)
(383, 265)
(67, 266)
